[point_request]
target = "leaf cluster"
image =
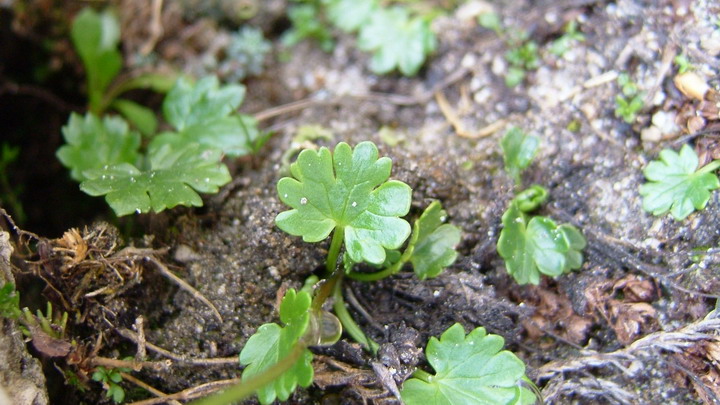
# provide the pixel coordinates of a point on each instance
(470, 368)
(111, 379)
(348, 192)
(397, 38)
(534, 245)
(630, 102)
(105, 155)
(677, 184)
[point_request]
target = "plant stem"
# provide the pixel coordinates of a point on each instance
(348, 322)
(388, 271)
(710, 167)
(248, 387)
(422, 375)
(335, 245)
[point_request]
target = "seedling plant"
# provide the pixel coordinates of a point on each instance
(630, 102)
(107, 156)
(533, 245)
(522, 55)
(346, 195)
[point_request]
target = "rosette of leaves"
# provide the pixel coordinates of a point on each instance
(244, 55)
(105, 155)
(470, 369)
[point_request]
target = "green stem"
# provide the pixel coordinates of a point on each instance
(248, 387)
(422, 375)
(335, 245)
(710, 167)
(388, 271)
(348, 322)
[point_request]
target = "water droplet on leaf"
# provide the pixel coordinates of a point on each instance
(303, 201)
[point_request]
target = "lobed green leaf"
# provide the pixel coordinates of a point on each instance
(470, 369)
(187, 104)
(174, 178)
(92, 143)
(204, 113)
(397, 41)
(675, 185)
(350, 15)
(347, 190)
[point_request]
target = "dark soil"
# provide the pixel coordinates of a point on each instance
(639, 278)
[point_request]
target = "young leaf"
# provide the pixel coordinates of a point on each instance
(347, 190)
(531, 248)
(92, 143)
(96, 37)
(576, 243)
(676, 185)
(204, 113)
(470, 369)
(435, 246)
(173, 179)
(188, 104)
(397, 41)
(271, 343)
(350, 15)
(235, 135)
(519, 149)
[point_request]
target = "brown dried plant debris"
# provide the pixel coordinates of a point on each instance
(624, 305)
(700, 369)
(554, 315)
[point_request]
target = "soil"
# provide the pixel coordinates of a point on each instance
(603, 334)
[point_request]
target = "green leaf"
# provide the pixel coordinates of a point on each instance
(142, 117)
(519, 149)
(350, 15)
(397, 41)
(531, 248)
(271, 343)
(174, 178)
(675, 184)
(470, 369)
(205, 113)
(576, 243)
(435, 246)
(236, 136)
(349, 191)
(93, 143)
(96, 37)
(201, 103)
